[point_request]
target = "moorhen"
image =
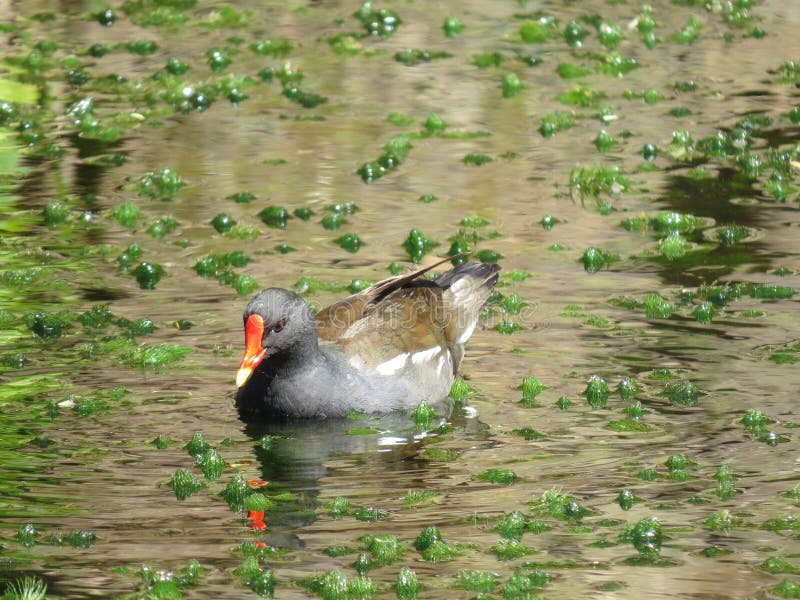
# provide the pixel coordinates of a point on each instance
(384, 349)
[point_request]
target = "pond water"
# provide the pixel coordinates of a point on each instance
(664, 155)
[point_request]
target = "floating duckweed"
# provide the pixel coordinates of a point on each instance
(536, 32)
(684, 393)
(628, 389)
(433, 548)
(548, 221)
(377, 21)
(223, 223)
(513, 304)
(574, 34)
(274, 216)
(141, 47)
(704, 313)
(148, 275)
(452, 26)
(412, 56)
(369, 514)
(616, 65)
(395, 151)
(242, 197)
(571, 71)
(501, 476)
(594, 259)
(476, 581)
(55, 212)
(27, 535)
(423, 414)
(581, 97)
(769, 292)
(217, 59)
(730, 235)
(257, 502)
(511, 85)
(563, 403)
(593, 181)
(512, 525)
(415, 498)
(362, 564)
(754, 419)
(338, 507)
(106, 17)
(385, 549)
(277, 48)
(775, 565)
(508, 327)
(349, 242)
(184, 484)
(722, 521)
(646, 537)
(596, 392)
(126, 214)
(510, 549)
(163, 185)
(531, 387)
(407, 586)
(657, 307)
(155, 356)
(677, 462)
(487, 59)
(609, 34)
(460, 390)
(212, 464)
(522, 584)
(476, 159)
(48, 325)
(417, 245)
(673, 246)
(604, 141)
(488, 256)
(689, 32)
(626, 499)
(76, 539)
(558, 505)
(244, 284)
(554, 122)
(143, 326)
(235, 492)
(161, 441)
(436, 454)
(528, 433)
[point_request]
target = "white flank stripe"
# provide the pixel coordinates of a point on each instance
(424, 355)
(390, 367)
(462, 339)
(440, 365)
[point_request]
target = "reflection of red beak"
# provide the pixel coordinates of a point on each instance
(253, 352)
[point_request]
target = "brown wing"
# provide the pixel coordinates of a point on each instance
(335, 320)
(408, 321)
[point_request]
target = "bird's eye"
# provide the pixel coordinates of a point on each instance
(278, 326)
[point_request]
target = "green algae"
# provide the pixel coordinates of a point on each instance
(184, 484)
(501, 476)
(555, 122)
(646, 536)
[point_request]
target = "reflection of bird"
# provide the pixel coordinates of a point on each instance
(386, 348)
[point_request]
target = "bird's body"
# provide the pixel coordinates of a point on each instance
(384, 349)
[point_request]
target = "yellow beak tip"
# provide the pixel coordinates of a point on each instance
(242, 376)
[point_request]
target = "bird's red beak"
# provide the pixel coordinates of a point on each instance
(253, 352)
